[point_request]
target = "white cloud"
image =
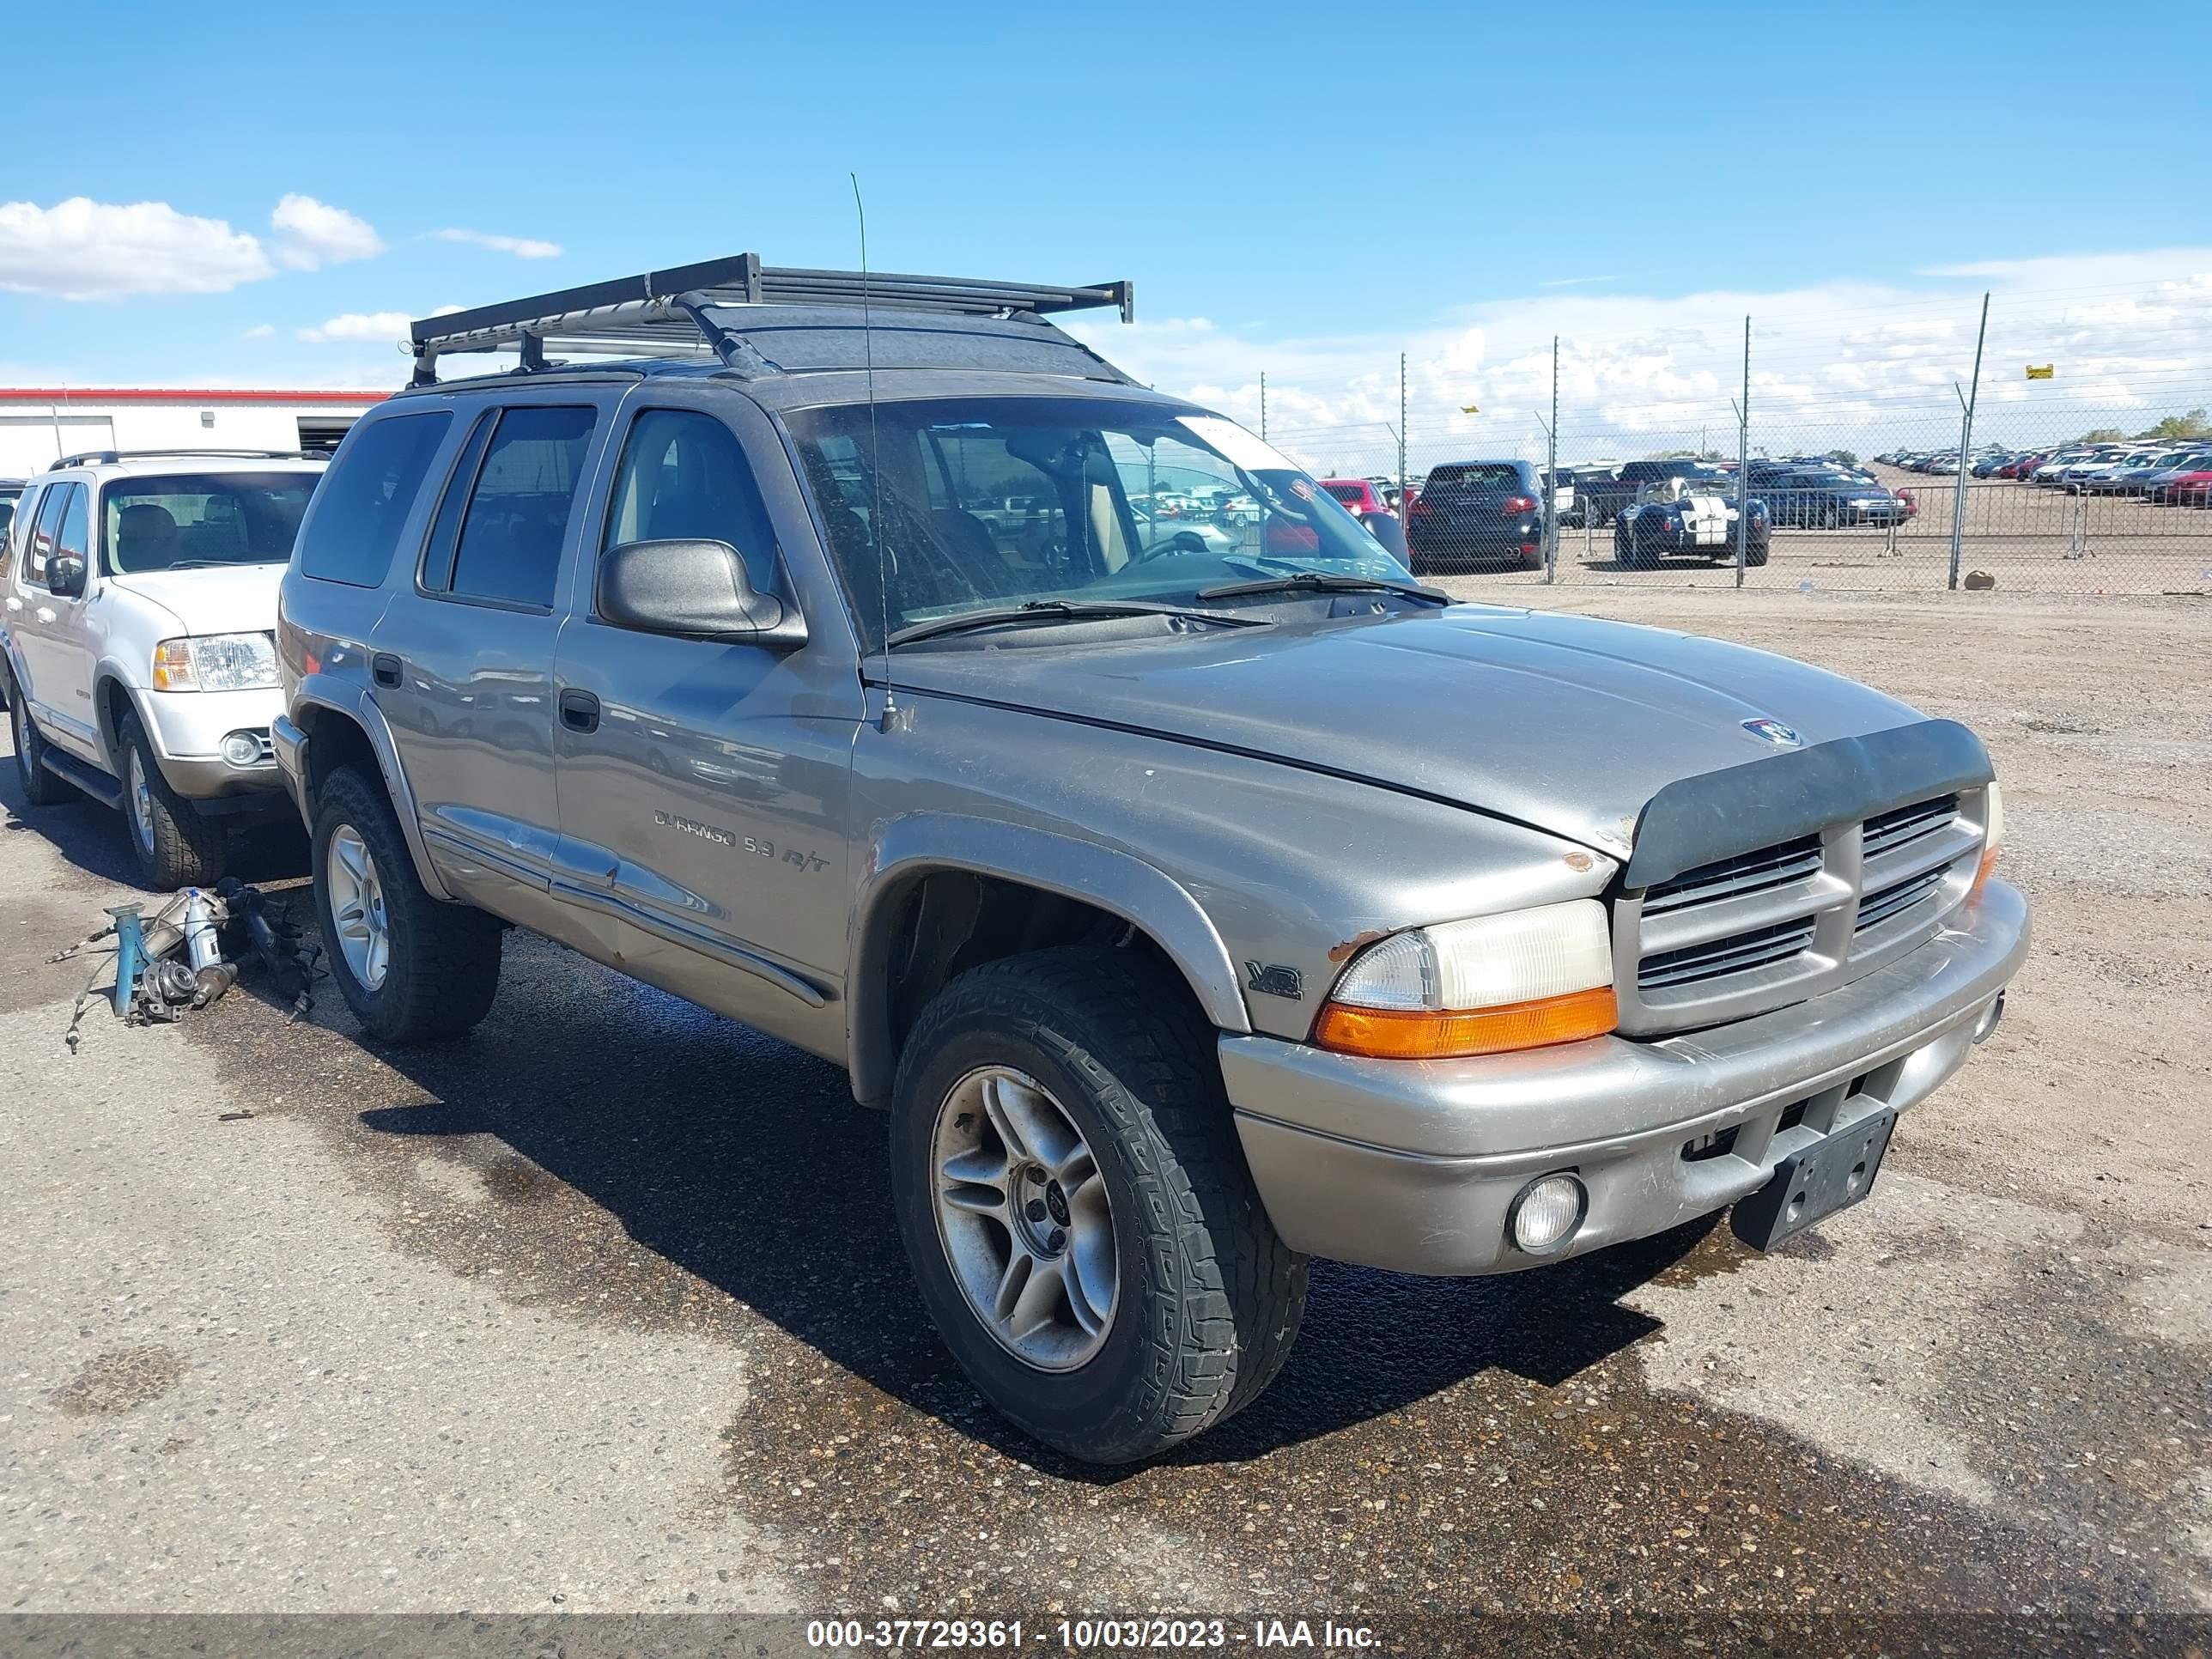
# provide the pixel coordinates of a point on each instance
(80, 249)
(380, 325)
(1856, 363)
(259, 332)
(522, 247)
(310, 234)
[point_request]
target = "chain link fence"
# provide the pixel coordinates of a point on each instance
(2054, 497)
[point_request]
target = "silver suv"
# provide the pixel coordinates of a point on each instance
(138, 609)
(1193, 904)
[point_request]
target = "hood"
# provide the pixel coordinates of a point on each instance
(233, 598)
(1567, 724)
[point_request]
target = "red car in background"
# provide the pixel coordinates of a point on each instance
(1360, 498)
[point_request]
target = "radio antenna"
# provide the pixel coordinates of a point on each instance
(891, 715)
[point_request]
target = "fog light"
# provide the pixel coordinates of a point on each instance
(1547, 1214)
(241, 748)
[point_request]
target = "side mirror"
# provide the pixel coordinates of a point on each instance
(65, 578)
(693, 590)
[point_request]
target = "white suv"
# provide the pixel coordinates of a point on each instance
(137, 611)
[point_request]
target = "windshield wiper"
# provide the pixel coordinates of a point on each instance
(1316, 581)
(1052, 611)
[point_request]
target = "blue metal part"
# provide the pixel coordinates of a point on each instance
(129, 956)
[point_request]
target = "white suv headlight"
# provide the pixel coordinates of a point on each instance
(1485, 985)
(216, 662)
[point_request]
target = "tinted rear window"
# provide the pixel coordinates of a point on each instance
(1477, 475)
(364, 497)
(1350, 494)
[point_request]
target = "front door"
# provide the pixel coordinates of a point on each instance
(462, 661)
(704, 785)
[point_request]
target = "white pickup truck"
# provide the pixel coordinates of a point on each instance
(136, 615)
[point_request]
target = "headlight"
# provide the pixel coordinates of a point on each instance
(1992, 835)
(216, 662)
(1484, 986)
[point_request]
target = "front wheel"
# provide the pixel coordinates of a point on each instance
(412, 970)
(175, 847)
(1077, 1209)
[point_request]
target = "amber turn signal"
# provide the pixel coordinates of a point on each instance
(1454, 1034)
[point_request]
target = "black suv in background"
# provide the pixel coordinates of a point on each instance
(1469, 512)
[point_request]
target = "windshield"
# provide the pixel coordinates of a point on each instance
(187, 521)
(987, 503)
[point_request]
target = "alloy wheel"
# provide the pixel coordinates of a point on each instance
(1024, 1217)
(357, 908)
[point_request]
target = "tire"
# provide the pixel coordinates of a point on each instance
(440, 963)
(1755, 554)
(1206, 1299)
(1644, 553)
(174, 846)
(40, 787)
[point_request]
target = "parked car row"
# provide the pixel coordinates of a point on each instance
(2169, 473)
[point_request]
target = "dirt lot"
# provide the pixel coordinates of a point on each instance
(602, 1310)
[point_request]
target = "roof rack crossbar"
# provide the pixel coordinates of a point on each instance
(663, 313)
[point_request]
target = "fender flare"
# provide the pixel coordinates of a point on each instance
(353, 704)
(906, 848)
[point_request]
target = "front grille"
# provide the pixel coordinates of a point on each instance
(1879, 906)
(1732, 955)
(1746, 872)
(1887, 831)
(1773, 925)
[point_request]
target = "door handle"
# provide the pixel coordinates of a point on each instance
(580, 711)
(386, 668)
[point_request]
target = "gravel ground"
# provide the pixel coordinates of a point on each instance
(603, 1310)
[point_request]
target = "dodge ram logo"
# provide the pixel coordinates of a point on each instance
(1773, 731)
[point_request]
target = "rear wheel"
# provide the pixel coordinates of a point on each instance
(175, 847)
(40, 787)
(411, 967)
(1073, 1197)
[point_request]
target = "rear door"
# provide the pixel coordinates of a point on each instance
(702, 784)
(462, 659)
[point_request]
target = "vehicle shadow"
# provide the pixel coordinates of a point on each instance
(745, 1163)
(92, 837)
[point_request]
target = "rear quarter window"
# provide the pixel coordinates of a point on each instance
(352, 528)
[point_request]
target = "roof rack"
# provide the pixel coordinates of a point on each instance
(110, 456)
(662, 313)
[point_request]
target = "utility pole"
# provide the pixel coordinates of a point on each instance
(1401, 434)
(1263, 405)
(1967, 401)
(1552, 477)
(1743, 458)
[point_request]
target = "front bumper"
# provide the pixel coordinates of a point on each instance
(1413, 1165)
(187, 729)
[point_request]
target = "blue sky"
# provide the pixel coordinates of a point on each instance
(1293, 175)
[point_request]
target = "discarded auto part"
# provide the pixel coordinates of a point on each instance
(130, 947)
(211, 981)
(199, 929)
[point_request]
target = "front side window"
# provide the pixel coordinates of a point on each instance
(190, 521)
(941, 506)
(511, 537)
(684, 476)
(366, 497)
(71, 538)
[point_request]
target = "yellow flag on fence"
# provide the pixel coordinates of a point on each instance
(2049, 371)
